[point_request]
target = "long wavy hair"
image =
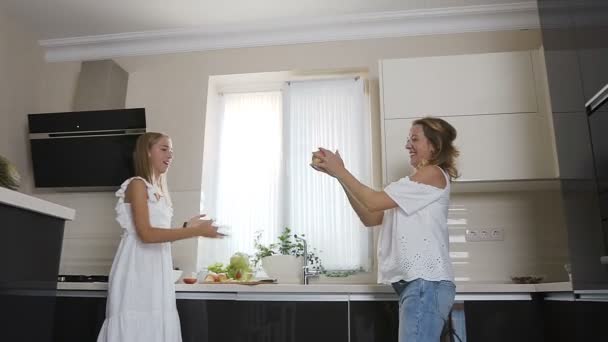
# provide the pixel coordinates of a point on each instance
(441, 135)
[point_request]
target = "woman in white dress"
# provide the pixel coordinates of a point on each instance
(141, 294)
(413, 246)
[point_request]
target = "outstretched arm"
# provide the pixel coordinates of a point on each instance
(137, 196)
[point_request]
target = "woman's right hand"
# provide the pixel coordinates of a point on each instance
(204, 228)
(327, 161)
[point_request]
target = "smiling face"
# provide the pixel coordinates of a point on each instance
(160, 155)
(418, 146)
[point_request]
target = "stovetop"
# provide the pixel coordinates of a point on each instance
(81, 278)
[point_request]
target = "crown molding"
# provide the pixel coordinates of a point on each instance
(504, 17)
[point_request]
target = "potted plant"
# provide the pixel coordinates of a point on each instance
(9, 177)
(284, 259)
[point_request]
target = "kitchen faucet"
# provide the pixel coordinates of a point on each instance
(307, 272)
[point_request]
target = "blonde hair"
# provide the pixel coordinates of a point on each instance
(441, 135)
(141, 161)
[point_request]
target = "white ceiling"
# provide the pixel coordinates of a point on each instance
(51, 19)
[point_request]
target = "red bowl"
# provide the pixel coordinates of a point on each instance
(189, 280)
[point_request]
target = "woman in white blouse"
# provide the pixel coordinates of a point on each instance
(413, 247)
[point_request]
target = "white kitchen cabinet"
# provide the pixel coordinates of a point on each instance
(493, 147)
(492, 83)
(496, 102)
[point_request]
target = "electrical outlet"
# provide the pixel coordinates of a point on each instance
(471, 235)
(497, 234)
(484, 234)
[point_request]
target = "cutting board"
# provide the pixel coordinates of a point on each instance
(256, 282)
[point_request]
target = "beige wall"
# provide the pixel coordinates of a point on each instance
(21, 61)
(173, 89)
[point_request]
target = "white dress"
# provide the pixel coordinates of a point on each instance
(141, 294)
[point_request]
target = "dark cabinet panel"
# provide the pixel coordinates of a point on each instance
(561, 59)
(575, 39)
(575, 156)
(559, 321)
(507, 321)
(591, 318)
(599, 128)
(209, 320)
(29, 263)
(374, 321)
(31, 250)
(567, 321)
(251, 321)
(26, 317)
(585, 236)
(590, 20)
(78, 319)
(292, 321)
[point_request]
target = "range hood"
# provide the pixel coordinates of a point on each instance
(101, 85)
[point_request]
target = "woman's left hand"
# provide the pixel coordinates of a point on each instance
(331, 162)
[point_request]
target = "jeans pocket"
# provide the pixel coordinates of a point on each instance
(446, 291)
(399, 286)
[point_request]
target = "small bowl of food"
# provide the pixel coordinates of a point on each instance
(189, 280)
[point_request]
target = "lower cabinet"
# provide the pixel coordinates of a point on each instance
(263, 321)
(208, 320)
(78, 319)
(507, 321)
(575, 321)
(26, 317)
(374, 321)
(203, 320)
(537, 320)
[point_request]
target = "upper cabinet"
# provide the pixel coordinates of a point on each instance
(495, 101)
(494, 83)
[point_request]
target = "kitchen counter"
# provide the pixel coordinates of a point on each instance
(338, 288)
(20, 200)
(325, 292)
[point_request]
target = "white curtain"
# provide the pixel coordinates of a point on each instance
(247, 195)
(329, 114)
(264, 182)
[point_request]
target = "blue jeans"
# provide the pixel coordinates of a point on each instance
(424, 307)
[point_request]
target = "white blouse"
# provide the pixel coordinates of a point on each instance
(414, 241)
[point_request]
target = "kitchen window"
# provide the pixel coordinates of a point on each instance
(261, 181)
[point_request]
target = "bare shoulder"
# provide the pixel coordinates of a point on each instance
(430, 175)
(136, 189)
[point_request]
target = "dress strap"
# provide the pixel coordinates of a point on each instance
(153, 195)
